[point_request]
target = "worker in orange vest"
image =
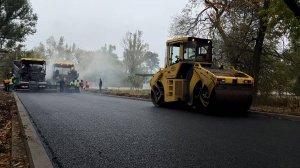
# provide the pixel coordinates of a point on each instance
(5, 83)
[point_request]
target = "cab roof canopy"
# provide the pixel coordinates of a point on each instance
(186, 39)
(33, 60)
(62, 64)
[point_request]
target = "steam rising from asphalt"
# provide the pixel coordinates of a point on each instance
(49, 65)
(95, 65)
(92, 66)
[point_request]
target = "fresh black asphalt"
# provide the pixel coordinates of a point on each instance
(84, 130)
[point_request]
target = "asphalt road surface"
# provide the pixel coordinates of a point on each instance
(84, 130)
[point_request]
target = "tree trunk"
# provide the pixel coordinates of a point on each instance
(259, 47)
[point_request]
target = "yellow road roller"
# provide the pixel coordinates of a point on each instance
(190, 77)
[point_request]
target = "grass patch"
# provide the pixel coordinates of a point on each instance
(283, 105)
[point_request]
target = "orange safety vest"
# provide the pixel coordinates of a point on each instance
(6, 81)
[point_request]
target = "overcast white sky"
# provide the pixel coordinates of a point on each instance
(92, 23)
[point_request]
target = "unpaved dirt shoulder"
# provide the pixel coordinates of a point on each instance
(12, 141)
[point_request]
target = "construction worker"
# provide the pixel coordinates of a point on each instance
(77, 85)
(100, 85)
(71, 85)
(5, 84)
(81, 85)
(87, 85)
(62, 85)
(11, 83)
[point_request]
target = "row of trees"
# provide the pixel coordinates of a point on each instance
(104, 62)
(17, 20)
(260, 37)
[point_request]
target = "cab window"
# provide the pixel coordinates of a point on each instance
(203, 50)
(189, 53)
(195, 51)
(175, 51)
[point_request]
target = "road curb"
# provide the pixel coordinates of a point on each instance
(37, 155)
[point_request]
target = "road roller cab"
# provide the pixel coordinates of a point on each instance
(189, 76)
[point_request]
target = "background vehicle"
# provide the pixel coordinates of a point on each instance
(30, 73)
(190, 77)
(63, 70)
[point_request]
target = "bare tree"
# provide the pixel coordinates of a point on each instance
(240, 25)
(134, 51)
(151, 61)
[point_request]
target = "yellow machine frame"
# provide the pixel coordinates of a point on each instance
(206, 85)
